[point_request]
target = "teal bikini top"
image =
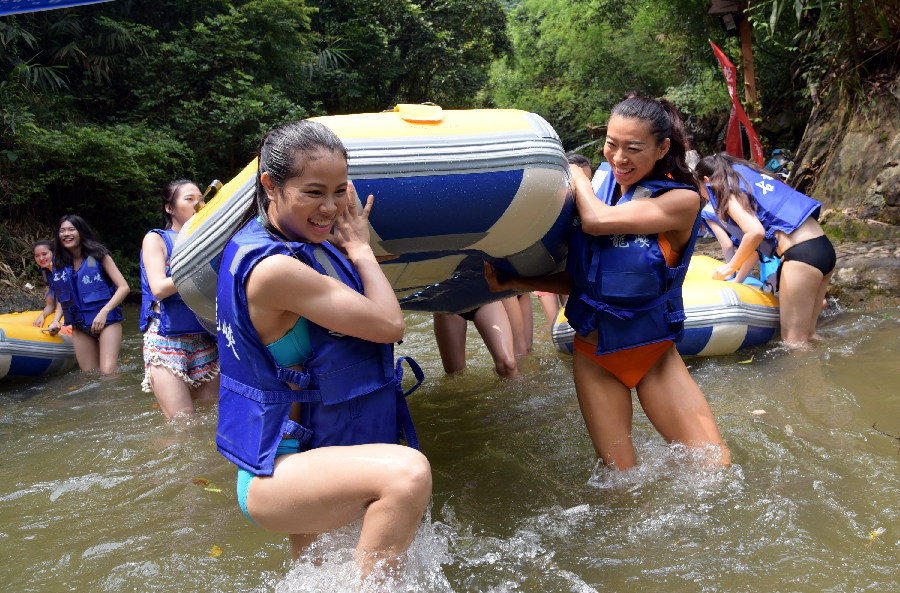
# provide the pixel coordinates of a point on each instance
(293, 348)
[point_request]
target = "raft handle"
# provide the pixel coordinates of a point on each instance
(215, 183)
(424, 113)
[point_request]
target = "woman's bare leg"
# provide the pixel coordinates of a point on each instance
(550, 305)
(820, 305)
(800, 302)
(87, 351)
(677, 408)
(110, 341)
(172, 393)
(607, 410)
(450, 334)
(493, 325)
(317, 491)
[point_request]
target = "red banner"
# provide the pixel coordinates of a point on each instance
(733, 144)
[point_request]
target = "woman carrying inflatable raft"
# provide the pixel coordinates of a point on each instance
(311, 406)
(627, 263)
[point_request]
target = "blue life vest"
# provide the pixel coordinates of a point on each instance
(708, 215)
(175, 317)
(622, 286)
(84, 292)
(778, 207)
(47, 277)
(60, 282)
(350, 390)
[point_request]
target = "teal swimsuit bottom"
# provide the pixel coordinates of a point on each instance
(285, 447)
(292, 349)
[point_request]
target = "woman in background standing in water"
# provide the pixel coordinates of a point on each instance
(181, 361)
(773, 219)
(43, 257)
(90, 289)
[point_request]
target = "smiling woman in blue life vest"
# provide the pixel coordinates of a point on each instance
(627, 262)
(181, 360)
(90, 289)
(43, 257)
(311, 405)
(774, 219)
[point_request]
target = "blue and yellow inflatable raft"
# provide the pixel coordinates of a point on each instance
(28, 351)
(722, 317)
(452, 189)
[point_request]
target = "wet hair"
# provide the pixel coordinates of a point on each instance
(90, 246)
(168, 199)
(578, 159)
(279, 150)
(726, 183)
(665, 122)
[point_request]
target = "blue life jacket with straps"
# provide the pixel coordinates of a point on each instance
(175, 317)
(778, 207)
(622, 285)
(350, 391)
(84, 292)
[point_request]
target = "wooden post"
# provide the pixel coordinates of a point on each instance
(750, 96)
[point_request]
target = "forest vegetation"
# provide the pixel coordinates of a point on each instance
(102, 105)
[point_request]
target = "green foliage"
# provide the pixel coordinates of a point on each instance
(401, 51)
(702, 95)
(108, 174)
(102, 105)
(573, 61)
(837, 42)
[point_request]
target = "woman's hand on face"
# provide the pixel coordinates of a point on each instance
(351, 229)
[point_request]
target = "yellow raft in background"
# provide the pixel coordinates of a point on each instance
(28, 351)
(722, 317)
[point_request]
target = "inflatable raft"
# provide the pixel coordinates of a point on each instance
(452, 189)
(28, 351)
(722, 317)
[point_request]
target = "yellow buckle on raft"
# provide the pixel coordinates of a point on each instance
(420, 114)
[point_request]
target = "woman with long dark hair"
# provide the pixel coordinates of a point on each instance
(774, 219)
(90, 289)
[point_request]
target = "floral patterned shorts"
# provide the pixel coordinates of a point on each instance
(193, 357)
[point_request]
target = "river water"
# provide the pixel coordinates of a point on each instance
(99, 493)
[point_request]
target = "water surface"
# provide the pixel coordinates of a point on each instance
(100, 493)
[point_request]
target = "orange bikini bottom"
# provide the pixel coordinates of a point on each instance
(628, 366)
